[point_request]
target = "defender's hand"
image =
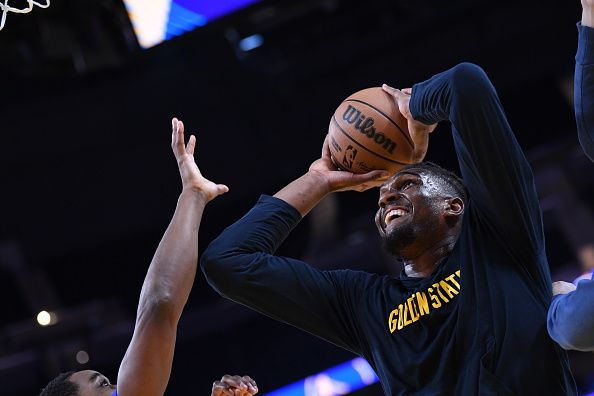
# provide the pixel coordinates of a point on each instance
(191, 177)
(561, 287)
(418, 131)
(234, 385)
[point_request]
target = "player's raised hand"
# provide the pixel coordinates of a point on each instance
(418, 131)
(191, 177)
(588, 13)
(234, 385)
(339, 180)
(561, 287)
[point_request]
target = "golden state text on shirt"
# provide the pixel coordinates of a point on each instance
(423, 302)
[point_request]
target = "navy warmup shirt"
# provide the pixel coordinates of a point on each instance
(477, 325)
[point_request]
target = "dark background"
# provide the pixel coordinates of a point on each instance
(89, 183)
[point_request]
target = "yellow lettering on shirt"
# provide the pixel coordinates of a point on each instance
(454, 281)
(435, 303)
(422, 303)
(407, 321)
(417, 304)
(393, 322)
(444, 298)
(412, 309)
(448, 289)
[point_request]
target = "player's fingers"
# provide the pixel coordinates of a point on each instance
(392, 91)
(249, 379)
(191, 145)
(407, 91)
(178, 137)
(369, 179)
(173, 132)
(224, 391)
(180, 131)
(233, 380)
(326, 146)
(218, 388)
(252, 386)
(222, 189)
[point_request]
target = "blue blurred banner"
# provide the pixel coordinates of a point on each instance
(339, 380)
(160, 20)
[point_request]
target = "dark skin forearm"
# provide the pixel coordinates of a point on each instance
(172, 271)
(146, 367)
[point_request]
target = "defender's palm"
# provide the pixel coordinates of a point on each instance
(190, 174)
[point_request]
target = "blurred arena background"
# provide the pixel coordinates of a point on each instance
(88, 181)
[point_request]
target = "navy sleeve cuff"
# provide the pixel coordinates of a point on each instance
(585, 50)
(272, 202)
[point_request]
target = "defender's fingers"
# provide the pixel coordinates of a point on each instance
(220, 388)
(222, 189)
(233, 380)
(173, 131)
(252, 387)
(180, 130)
(249, 380)
(177, 140)
(191, 145)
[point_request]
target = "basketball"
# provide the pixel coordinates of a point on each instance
(368, 132)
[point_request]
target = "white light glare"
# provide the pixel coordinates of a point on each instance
(47, 318)
(82, 357)
(44, 318)
(251, 42)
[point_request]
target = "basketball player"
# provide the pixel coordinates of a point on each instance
(146, 366)
(571, 314)
(467, 316)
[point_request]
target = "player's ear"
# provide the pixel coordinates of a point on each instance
(454, 206)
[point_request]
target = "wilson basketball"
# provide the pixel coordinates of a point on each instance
(368, 132)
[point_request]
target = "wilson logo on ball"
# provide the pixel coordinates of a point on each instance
(363, 124)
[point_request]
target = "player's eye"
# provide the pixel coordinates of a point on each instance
(104, 382)
(406, 184)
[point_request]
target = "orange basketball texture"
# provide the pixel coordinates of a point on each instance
(368, 132)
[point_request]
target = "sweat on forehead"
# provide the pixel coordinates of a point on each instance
(445, 178)
(410, 170)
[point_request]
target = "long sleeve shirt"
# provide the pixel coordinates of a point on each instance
(570, 320)
(477, 325)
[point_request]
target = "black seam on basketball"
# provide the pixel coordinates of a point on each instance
(406, 137)
(365, 148)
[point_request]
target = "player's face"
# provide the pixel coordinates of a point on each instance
(92, 383)
(409, 210)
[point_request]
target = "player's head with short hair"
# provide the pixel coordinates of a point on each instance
(79, 383)
(420, 208)
(61, 386)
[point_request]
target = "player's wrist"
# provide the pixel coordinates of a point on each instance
(588, 17)
(318, 182)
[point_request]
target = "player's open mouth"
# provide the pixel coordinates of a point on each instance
(394, 214)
